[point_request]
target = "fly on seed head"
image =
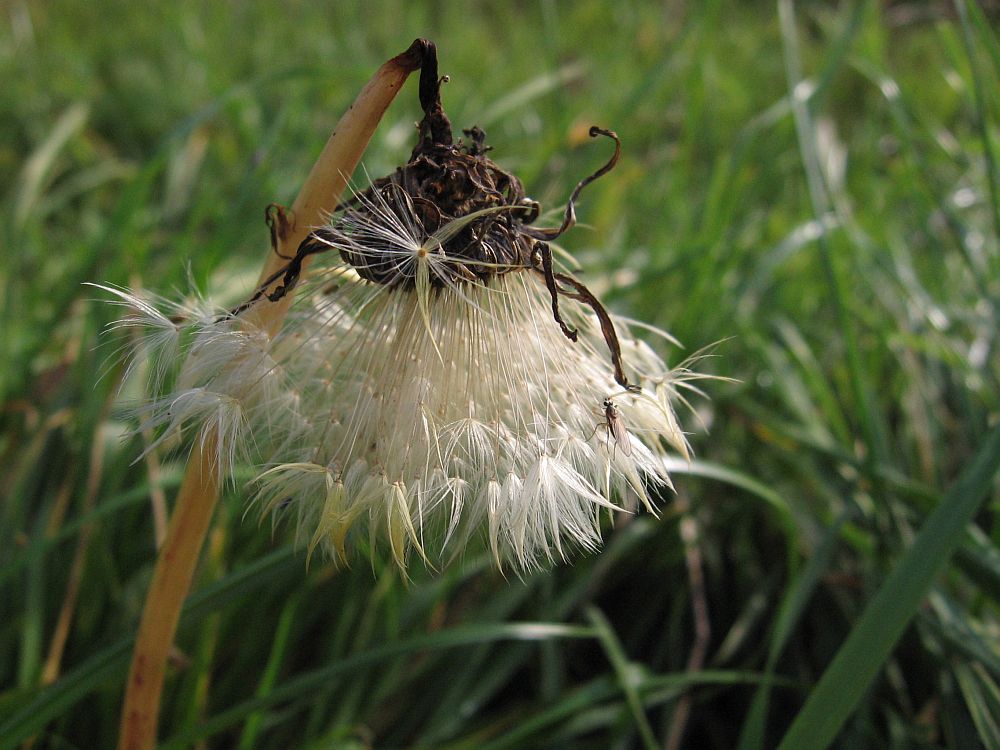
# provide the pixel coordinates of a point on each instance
(614, 424)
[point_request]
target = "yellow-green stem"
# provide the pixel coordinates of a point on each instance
(200, 490)
(171, 581)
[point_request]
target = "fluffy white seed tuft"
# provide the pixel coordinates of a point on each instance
(420, 416)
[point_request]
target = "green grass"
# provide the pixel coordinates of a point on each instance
(813, 184)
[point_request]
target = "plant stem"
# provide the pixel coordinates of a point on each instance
(200, 490)
(171, 581)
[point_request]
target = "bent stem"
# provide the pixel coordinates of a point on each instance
(200, 489)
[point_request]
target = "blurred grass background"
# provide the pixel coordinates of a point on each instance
(815, 183)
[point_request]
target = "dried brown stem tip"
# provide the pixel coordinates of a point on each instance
(435, 128)
(461, 208)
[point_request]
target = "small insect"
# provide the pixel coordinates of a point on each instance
(615, 426)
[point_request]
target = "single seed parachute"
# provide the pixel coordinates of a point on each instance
(438, 381)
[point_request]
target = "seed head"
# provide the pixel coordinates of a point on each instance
(437, 381)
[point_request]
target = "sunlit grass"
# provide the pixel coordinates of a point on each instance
(842, 246)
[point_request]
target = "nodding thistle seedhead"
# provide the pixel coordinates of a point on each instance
(437, 379)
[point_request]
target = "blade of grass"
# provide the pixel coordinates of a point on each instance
(949, 621)
(308, 682)
(980, 117)
(979, 559)
(43, 544)
(589, 707)
(721, 473)
(792, 606)
(625, 672)
(39, 167)
(819, 198)
(986, 32)
(279, 646)
(982, 696)
(871, 641)
(83, 680)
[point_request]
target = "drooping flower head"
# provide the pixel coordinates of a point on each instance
(438, 379)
